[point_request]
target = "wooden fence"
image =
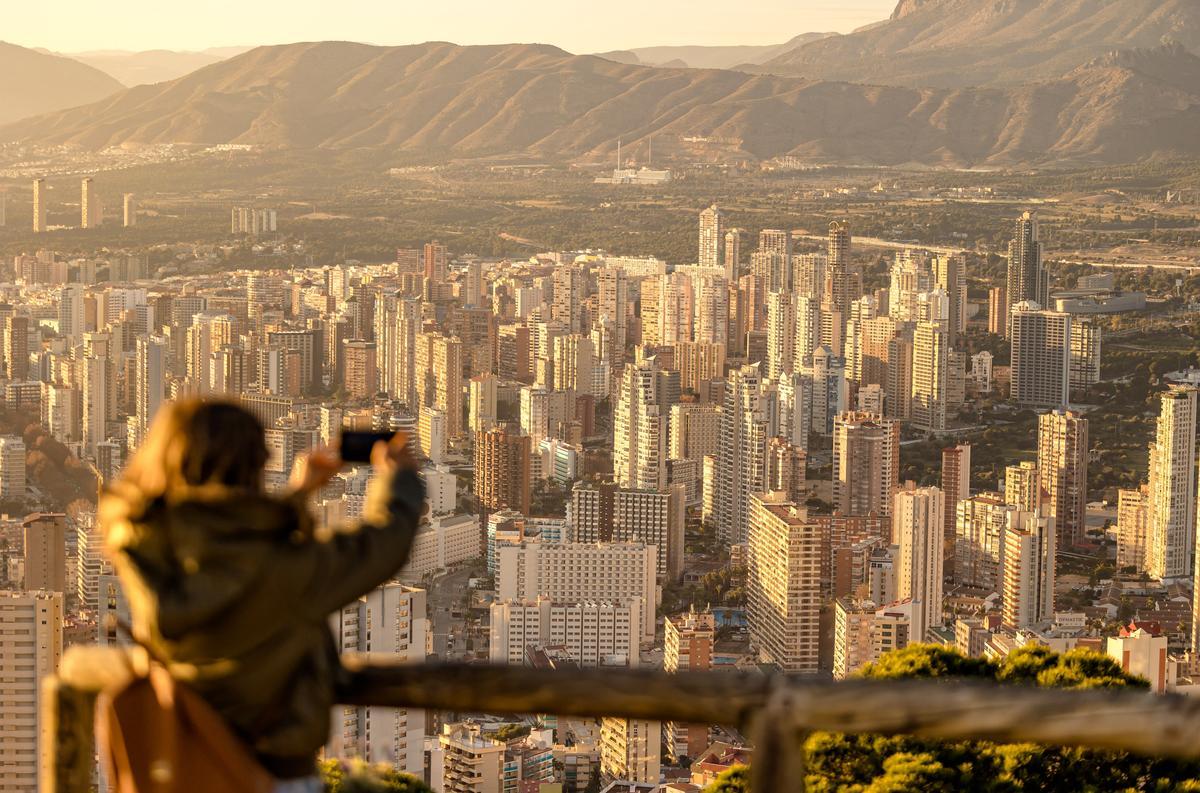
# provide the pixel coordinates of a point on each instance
(776, 711)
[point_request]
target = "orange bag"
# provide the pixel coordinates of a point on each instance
(156, 735)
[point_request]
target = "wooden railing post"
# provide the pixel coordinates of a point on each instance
(69, 743)
(779, 764)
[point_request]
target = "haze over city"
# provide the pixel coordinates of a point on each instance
(575, 26)
(600, 398)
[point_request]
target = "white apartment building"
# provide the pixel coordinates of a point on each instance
(12, 469)
(387, 624)
(572, 572)
(442, 542)
(1143, 654)
(741, 459)
(930, 376)
(594, 633)
(441, 489)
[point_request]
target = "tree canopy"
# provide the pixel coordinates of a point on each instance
(358, 777)
(840, 763)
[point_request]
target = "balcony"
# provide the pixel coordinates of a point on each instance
(777, 712)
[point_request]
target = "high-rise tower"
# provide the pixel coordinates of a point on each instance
(39, 205)
(711, 237)
(1173, 486)
(742, 453)
(1062, 469)
(1027, 278)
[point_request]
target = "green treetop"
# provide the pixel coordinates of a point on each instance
(840, 763)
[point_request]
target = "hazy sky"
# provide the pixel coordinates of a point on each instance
(576, 25)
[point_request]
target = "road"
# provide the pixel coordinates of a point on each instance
(445, 597)
(875, 242)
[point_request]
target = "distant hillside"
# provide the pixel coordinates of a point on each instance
(34, 82)
(151, 66)
(699, 57)
(958, 43)
(539, 101)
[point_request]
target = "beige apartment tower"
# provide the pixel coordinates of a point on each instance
(1173, 486)
(1022, 486)
(711, 237)
(917, 526)
(91, 213)
(630, 750)
(783, 603)
(1062, 469)
(956, 480)
(39, 205)
(998, 310)
(32, 625)
(930, 376)
(1041, 356)
(45, 552)
(1133, 525)
(439, 377)
(502, 474)
(1029, 559)
(129, 210)
(866, 463)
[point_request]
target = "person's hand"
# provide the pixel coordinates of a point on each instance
(314, 470)
(394, 456)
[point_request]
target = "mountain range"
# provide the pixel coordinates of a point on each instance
(152, 66)
(697, 57)
(959, 43)
(539, 101)
(37, 82)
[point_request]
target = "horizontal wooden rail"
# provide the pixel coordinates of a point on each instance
(1134, 721)
(775, 710)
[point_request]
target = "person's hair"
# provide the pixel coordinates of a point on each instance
(196, 443)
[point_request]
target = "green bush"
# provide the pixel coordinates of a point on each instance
(840, 763)
(735, 780)
(359, 777)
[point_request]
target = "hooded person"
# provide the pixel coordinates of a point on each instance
(231, 588)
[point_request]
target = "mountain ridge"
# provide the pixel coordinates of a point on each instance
(148, 66)
(710, 57)
(960, 43)
(538, 100)
(38, 82)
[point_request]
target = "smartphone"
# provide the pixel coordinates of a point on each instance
(356, 446)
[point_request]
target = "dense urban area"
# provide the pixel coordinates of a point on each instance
(788, 449)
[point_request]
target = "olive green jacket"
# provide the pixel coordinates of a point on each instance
(233, 590)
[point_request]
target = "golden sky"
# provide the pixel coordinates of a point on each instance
(576, 25)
